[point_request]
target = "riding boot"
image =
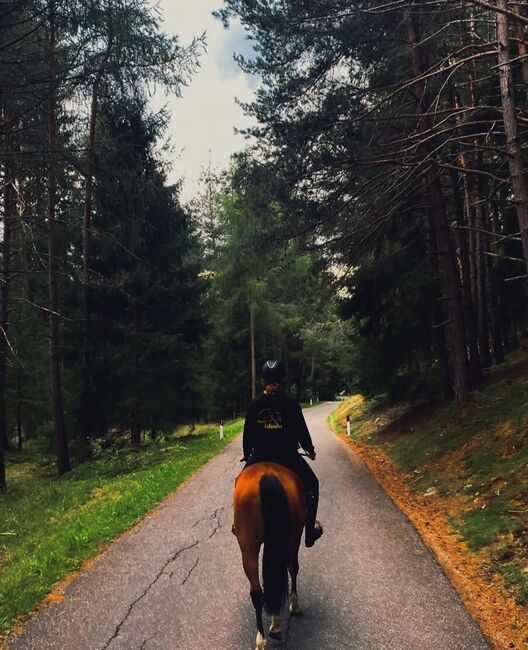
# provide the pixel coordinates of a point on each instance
(313, 528)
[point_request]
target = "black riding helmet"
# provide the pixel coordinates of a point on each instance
(273, 372)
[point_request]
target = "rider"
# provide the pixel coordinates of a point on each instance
(274, 429)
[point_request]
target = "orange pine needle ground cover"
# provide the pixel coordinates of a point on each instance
(503, 621)
(461, 476)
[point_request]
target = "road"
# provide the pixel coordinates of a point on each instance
(175, 582)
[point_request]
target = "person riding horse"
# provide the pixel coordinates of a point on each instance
(274, 429)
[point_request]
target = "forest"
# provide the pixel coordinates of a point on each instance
(373, 234)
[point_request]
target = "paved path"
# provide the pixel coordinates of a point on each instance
(176, 582)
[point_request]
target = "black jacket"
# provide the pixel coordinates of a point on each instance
(275, 425)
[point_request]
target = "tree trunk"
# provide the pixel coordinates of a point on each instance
(86, 428)
(521, 45)
(483, 301)
(253, 354)
(463, 209)
(442, 233)
(2, 470)
(451, 282)
(495, 333)
(135, 430)
(19, 411)
(28, 425)
(61, 443)
(437, 313)
(472, 260)
(513, 144)
(88, 406)
(135, 434)
(298, 380)
(482, 287)
(8, 224)
(497, 328)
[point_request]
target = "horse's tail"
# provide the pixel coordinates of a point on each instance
(275, 561)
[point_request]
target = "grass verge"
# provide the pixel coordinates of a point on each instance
(49, 527)
(461, 475)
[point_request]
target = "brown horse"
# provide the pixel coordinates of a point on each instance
(269, 509)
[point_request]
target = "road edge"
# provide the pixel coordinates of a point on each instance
(57, 594)
(496, 614)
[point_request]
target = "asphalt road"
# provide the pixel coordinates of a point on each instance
(175, 582)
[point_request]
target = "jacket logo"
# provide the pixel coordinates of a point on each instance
(270, 419)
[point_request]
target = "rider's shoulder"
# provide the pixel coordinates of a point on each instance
(256, 402)
(253, 403)
(288, 399)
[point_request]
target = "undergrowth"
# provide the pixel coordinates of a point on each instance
(474, 459)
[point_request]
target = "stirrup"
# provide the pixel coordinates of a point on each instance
(309, 541)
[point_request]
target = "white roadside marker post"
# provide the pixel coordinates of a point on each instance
(311, 401)
(221, 429)
(348, 425)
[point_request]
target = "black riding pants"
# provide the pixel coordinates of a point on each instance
(294, 462)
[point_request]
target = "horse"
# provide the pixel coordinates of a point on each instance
(270, 509)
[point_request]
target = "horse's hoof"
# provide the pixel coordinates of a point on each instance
(294, 608)
(261, 642)
(275, 630)
(295, 611)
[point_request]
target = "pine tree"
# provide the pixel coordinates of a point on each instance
(147, 304)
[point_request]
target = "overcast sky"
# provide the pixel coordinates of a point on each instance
(203, 119)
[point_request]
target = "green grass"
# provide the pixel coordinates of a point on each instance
(49, 527)
(480, 527)
(516, 579)
(476, 455)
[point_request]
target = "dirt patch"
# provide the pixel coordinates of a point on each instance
(503, 621)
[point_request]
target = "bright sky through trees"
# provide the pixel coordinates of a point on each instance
(203, 119)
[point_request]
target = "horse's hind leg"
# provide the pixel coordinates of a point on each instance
(293, 568)
(250, 562)
(275, 630)
(258, 600)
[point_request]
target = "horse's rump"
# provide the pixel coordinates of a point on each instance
(269, 508)
(249, 523)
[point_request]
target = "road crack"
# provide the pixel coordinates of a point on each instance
(215, 515)
(190, 571)
(172, 558)
(145, 641)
